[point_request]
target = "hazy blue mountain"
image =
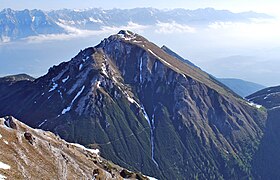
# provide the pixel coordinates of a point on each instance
(241, 87)
(21, 24)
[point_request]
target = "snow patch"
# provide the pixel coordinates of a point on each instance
(94, 151)
(91, 19)
(65, 79)
(126, 35)
(54, 86)
(66, 22)
(65, 110)
(2, 177)
(98, 84)
(151, 178)
(152, 128)
(254, 105)
(270, 94)
(33, 18)
(42, 123)
(276, 107)
(80, 67)
(60, 93)
(135, 41)
(141, 69)
(6, 142)
(82, 78)
(1, 136)
(130, 99)
(4, 166)
(104, 70)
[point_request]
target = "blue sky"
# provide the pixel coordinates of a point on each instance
(268, 6)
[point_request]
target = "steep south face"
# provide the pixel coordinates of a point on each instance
(144, 109)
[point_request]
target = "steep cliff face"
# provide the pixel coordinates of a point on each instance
(28, 153)
(266, 161)
(144, 109)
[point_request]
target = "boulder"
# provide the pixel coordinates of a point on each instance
(9, 122)
(28, 136)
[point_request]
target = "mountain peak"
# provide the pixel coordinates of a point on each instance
(125, 32)
(127, 96)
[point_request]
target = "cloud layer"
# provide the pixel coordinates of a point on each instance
(173, 27)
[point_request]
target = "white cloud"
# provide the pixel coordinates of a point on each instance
(173, 27)
(257, 29)
(130, 26)
(79, 33)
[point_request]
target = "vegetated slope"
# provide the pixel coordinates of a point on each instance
(172, 53)
(28, 153)
(144, 109)
(266, 161)
(241, 87)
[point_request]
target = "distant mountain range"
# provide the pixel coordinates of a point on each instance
(241, 87)
(15, 25)
(145, 110)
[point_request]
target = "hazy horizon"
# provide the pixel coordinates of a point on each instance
(269, 6)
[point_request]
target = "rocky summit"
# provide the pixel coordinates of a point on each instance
(144, 109)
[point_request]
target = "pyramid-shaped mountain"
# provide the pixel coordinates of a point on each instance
(144, 109)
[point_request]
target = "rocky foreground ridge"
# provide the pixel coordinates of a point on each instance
(28, 153)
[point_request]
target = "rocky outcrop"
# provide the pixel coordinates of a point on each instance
(144, 109)
(9, 122)
(28, 136)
